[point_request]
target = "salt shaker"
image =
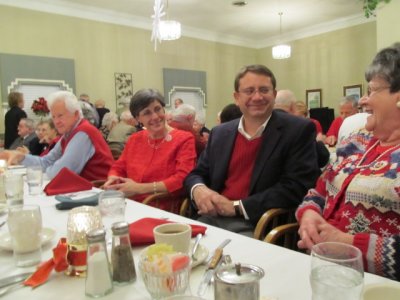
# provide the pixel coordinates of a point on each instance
(123, 266)
(98, 277)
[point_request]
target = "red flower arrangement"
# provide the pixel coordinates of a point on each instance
(39, 107)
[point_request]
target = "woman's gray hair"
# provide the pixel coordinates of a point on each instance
(69, 99)
(386, 65)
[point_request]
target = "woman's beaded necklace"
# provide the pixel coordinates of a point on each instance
(155, 145)
(360, 166)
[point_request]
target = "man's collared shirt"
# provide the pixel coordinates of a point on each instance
(259, 131)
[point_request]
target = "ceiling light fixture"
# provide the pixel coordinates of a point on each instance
(281, 51)
(239, 3)
(163, 30)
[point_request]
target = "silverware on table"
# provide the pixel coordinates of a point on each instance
(212, 265)
(11, 280)
(195, 245)
(2, 223)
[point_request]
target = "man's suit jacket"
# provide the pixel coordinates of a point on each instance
(285, 168)
(20, 142)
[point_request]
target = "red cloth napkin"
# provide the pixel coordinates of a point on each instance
(67, 181)
(141, 231)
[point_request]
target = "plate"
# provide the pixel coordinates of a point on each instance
(5, 239)
(200, 255)
(380, 291)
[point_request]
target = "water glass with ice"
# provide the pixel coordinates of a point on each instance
(112, 208)
(25, 227)
(336, 272)
(13, 188)
(34, 178)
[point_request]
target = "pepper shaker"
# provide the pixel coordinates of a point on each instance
(123, 266)
(98, 278)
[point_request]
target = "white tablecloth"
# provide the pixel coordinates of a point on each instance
(286, 272)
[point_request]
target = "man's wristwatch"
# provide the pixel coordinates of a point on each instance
(238, 208)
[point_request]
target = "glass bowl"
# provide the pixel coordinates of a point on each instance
(166, 284)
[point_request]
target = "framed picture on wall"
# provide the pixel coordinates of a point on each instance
(314, 98)
(353, 90)
(123, 86)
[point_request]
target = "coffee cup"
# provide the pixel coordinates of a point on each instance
(177, 235)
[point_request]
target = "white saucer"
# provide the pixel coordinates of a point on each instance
(3, 208)
(5, 239)
(200, 255)
(386, 291)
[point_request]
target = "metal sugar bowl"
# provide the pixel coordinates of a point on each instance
(239, 281)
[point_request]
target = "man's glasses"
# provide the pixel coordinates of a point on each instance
(264, 91)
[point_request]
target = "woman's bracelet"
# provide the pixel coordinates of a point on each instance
(154, 187)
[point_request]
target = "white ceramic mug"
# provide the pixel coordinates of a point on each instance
(177, 235)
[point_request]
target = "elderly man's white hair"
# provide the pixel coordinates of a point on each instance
(109, 118)
(285, 98)
(69, 99)
(184, 110)
(126, 115)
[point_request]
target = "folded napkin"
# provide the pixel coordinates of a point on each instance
(141, 231)
(69, 201)
(67, 181)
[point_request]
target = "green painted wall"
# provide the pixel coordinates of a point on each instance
(388, 24)
(328, 61)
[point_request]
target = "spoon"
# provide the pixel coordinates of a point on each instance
(2, 223)
(196, 244)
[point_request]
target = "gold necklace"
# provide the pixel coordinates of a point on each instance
(359, 166)
(155, 146)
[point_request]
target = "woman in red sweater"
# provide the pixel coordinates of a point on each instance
(156, 159)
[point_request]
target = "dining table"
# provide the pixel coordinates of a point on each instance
(286, 271)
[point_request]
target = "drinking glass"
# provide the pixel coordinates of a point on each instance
(81, 220)
(34, 178)
(112, 209)
(25, 226)
(13, 188)
(336, 272)
(3, 168)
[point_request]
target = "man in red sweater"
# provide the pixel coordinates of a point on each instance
(266, 159)
(347, 107)
(82, 148)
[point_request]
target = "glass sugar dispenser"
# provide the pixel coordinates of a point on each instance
(98, 277)
(123, 266)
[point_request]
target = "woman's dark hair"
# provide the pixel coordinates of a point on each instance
(229, 113)
(386, 65)
(144, 98)
(14, 98)
(256, 69)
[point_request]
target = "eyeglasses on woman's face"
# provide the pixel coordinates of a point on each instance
(148, 112)
(375, 90)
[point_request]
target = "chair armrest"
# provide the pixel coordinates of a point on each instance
(283, 230)
(270, 220)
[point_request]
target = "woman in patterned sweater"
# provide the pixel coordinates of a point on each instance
(357, 198)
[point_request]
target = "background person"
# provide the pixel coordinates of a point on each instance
(12, 117)
(347, 107)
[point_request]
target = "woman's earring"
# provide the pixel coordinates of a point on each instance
(398, 104)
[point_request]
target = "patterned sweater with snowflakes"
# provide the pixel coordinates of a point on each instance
(359, 193)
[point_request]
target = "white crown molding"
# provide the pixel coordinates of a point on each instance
(316, 30)
(101, 15)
